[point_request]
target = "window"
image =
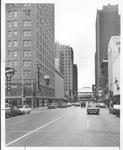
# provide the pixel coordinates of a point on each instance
(9, 24)
(9, 13)
(15, 43)
(26, 5)
(26, 63)
(26, 73)
(26, 43)
(9, 53)
(26, 12)
(15, 33)
(26, 33)
(15, 53)
(26, 23)
(9, 63)
(15, 63)
(15, 73)
(9, 33)
(26, 53)
(15, 24)
(9, 43)
(118, 43)
(15, 13)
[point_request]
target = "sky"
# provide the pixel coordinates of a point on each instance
(75, 26)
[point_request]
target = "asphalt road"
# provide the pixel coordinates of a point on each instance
(66, 127)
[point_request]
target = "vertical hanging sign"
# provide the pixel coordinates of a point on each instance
(9, 72)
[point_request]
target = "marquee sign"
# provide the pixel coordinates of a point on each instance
(9, 72)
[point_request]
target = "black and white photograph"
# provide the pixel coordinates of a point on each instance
(61, 75)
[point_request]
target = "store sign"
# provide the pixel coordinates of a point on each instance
(9, 72)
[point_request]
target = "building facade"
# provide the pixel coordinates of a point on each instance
(114, 68)
(107, 25)
(59, 86)
(30, 51)
(66, 69)
(85, 94)
(75, 81)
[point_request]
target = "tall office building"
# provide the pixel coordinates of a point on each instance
(75, 81)
(30, 51)
(66, 68)
(107, 25)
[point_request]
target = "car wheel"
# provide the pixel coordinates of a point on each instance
(28, 112)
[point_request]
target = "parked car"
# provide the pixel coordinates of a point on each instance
(63, 105)
(91, 108)
(24, 109)
(118, 112)
(52, 106)
(113, 110)
(69, 105)
(101, 105)
(10, 110)
(83, 104)
(77, 104)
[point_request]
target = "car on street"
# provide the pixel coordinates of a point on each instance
(24, 109)
(83, 104)
(77, 104)
(91, 108)
(101, 105)
(63, 105)
(10, 110)
(115, 109)
(52, 106)
(69, 105)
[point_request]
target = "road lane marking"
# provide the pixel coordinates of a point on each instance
(87, 123)
(17, 122)
(36, 129)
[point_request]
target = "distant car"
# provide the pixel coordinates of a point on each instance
(113, 110)
(83, 104)
(69, 105)
(63, 105)
(10, 110)
(118, 112)
(24, 109)
(77, 104)
(52, 106)
(101, 105)
(91, 108)
(72, 104)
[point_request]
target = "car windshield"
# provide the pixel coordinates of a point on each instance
(20, 106)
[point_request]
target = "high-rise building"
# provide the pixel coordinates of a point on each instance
(30, 51)
(66, 68)
(107, 25)
(75, 81)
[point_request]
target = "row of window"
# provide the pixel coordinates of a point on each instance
(15, 13)
(15, 43)
(26, 23)
(15, 33)
(26, 63)
(15, 5)
(26, 53)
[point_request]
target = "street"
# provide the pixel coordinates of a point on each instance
(63, 127)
